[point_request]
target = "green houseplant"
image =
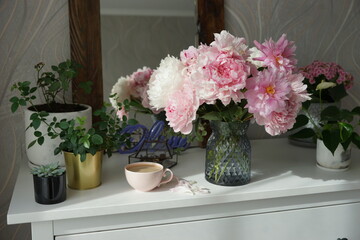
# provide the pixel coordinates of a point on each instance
(51, 88)
(49, 183)
(335, 131)
(83, 148)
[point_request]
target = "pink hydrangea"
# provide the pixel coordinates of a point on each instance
(330, 70)
(279, 55)
(181, 109)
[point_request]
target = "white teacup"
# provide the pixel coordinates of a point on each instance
(145, 176)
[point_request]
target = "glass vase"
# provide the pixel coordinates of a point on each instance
(228, 154)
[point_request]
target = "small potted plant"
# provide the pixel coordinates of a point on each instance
(334, 82)
(49, 183)
(334, 134)
(84, 148)
(52, 87)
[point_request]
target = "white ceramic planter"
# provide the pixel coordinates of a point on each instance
(340, 161)
(44, 154)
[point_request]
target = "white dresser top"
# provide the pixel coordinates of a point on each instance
(279, 170)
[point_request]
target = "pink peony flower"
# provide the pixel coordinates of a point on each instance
(279, 55)
(189, 56)
(225, 42)
(280, 121)
(267, 92)
(181, 108)
(275, 99)
(219, 75)
(138, 81)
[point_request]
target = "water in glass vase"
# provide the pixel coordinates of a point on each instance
(228, 154)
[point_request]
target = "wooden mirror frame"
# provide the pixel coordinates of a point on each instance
(85, 42)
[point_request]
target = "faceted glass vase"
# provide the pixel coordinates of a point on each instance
(228, 154)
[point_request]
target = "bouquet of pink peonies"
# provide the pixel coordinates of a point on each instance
(228, 82)
(133, 89)
(330, 78)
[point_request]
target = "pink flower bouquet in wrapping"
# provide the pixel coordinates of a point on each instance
(228, 82)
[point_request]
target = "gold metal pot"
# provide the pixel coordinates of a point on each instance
(86, 174)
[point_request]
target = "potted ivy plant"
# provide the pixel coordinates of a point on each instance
(51, 87)
(49, 183)
(334, 134)
(83, 148)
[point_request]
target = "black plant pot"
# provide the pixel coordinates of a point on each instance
(50, 190)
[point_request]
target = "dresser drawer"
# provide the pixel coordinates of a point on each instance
(322, 223)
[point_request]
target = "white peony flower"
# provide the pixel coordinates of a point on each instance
(255, 53)
(122, 90)
(164, 81)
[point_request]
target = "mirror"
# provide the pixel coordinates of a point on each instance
(137, 33)
(85, 42)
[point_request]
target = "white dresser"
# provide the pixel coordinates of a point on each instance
(288, 198)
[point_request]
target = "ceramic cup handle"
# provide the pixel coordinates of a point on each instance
(169, 178)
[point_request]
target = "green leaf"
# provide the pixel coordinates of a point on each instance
(86, 86)
(97, 139)
(87, 144)
(36, 123)
(306, 105)
(132, 122)
(31, 144)
(331, 139)
(22, 102)
(14, 99)
(338, 92)
(214, 116)
(304, 133)
(37, 133)
(14, 107)
(40, 140)
(346, 130)
(64, 125)
(301, 120)
(55, 86)
(356, 139)
(57, 151)
(331, 113)
(356, 111)
(82, 157)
